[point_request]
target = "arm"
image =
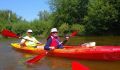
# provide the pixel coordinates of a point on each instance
(22, 43)
(36, 41)
(66, 39)
(47, 45)
(24, 39)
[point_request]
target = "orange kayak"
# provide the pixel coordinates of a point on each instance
(78, 52)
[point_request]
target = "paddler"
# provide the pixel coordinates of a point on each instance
(29, 40)
(53, 41)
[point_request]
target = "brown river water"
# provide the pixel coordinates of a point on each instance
(11, 59)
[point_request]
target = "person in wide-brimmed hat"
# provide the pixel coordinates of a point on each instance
(29, 40)
(53, 41)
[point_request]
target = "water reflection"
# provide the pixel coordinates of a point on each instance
(59, 63)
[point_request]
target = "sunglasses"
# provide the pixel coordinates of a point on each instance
(54, 32)
(30, 32)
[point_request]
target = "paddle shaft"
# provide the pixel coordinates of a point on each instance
(37, 58)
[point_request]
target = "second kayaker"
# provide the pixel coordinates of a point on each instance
(29, 40)
(53, 41)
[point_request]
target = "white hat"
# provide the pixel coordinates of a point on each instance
(54, 30)
(29, 30)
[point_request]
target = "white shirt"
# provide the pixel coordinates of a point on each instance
(29, 40)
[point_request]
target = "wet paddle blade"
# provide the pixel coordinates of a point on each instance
(8, 33)
(78, 66)
(36, 58)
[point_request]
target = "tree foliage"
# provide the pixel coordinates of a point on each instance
(68, 11)
(7, 19)
(102, 17)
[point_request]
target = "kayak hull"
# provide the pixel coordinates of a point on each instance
(111, 53)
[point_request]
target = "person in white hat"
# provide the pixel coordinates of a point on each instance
(29, 40)
(53, 41)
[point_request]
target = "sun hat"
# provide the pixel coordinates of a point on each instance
(29, 30)
(54, 30)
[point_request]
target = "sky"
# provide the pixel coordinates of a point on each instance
(27, 9)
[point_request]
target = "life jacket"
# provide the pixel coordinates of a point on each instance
(55, 42)
(30, 44)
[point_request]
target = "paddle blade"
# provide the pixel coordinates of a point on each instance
(74, 33)
(8, 33)
(78, 66)
(36, 58)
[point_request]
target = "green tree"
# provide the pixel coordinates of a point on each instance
(68, 11)
(101, 17)
(116, 26)
(7, 18)
(44, 15)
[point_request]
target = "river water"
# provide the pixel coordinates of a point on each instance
(11, 59)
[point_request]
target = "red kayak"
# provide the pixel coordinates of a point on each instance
(97, 53)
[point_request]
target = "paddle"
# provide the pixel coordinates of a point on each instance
(40, 56)
(78, 66)
(8, 33)
(37, 58)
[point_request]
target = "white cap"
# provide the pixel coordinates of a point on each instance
(54, 30)
(29, 30)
